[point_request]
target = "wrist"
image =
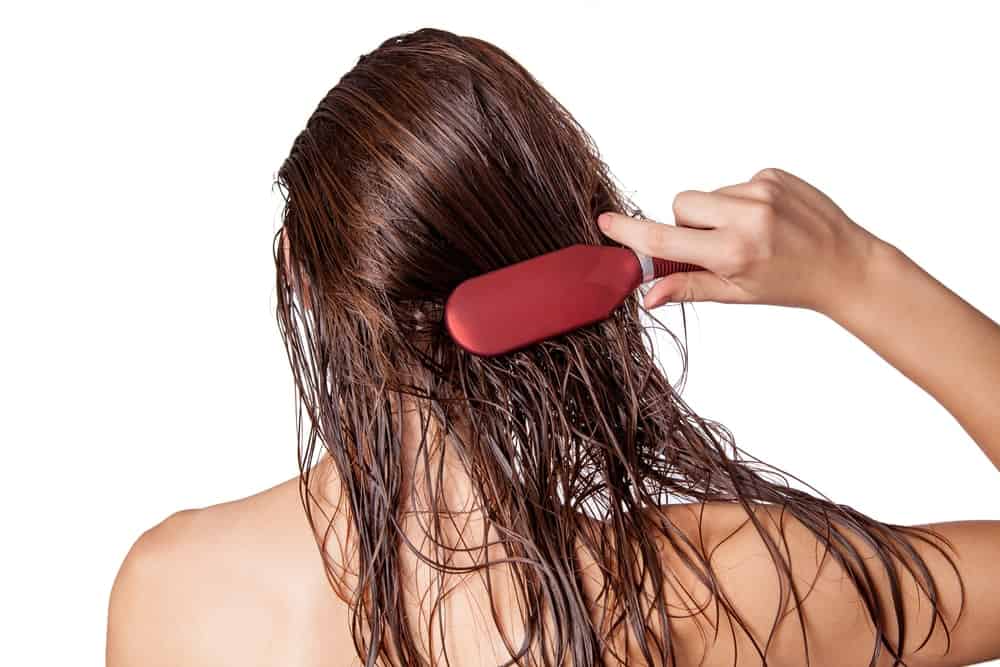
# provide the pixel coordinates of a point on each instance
(869, 279)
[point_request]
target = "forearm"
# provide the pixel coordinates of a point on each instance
(931, 335)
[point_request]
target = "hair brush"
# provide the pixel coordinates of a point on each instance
(548, 295)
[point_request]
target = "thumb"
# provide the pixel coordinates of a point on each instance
(692, 286)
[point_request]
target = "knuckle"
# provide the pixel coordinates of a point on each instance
(738, 259)
(767, 174)
(745, 250)
(689, 293)
(679, 200)
(766, 190)
(659, 238)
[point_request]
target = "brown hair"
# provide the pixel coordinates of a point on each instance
(436, 158)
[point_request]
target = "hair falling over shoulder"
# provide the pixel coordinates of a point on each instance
(438, 157)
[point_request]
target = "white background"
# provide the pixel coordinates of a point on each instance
(141, 370)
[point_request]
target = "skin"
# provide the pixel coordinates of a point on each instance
(243, 582)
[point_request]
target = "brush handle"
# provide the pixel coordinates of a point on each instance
(664, 267)
(654, 267)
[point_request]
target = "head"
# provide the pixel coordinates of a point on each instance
(436, 158)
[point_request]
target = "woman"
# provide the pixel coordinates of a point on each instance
(512, 510)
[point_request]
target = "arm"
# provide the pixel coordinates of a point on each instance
(952, 351)
(170, 604)
(933, 337)
(143, 621)
(777, 240)
(839, 633)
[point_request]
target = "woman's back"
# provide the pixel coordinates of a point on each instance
(243, 583)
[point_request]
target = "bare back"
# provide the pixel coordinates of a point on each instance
(244, 583)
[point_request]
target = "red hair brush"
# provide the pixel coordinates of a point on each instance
(548, 295)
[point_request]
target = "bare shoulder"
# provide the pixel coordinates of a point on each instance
(239, 582)
(756, 582)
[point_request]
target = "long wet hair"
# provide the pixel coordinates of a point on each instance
(438, 157)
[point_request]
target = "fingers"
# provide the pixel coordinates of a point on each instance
(706, 210)
(755, 190)
(765, 185)
(693, 286)
(682, 244)
(731, 232)
(699, 236)
(770, 174)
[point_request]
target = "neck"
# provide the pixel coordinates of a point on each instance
(434, 479)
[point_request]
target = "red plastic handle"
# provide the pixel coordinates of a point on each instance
(664, 267)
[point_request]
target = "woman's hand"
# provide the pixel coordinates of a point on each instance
(778, 240)
(772, 240)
